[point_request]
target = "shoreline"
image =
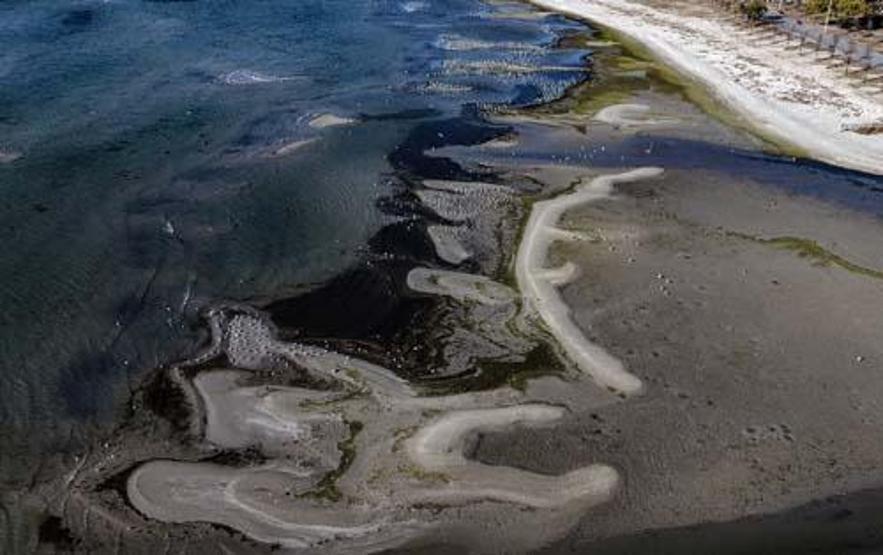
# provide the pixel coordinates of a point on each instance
(805, 109)
(392, 467)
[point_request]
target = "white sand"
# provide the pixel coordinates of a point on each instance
(272, 418)
(539, 284)
(630, 115)
(329, 120)
(782, 93)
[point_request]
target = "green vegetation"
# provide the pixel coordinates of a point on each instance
(425, 476)
(807, 248)
(841, 9)
(490, 374)
(753, 10)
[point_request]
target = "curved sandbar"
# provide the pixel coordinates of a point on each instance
(438, 447)
(781, 93)
(256, 501)
(538, 284)
(629, 115)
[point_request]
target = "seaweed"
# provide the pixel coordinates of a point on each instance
(327, 487)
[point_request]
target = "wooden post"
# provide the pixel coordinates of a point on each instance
(828, 18)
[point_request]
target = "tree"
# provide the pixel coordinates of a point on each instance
(754, 10)
(841, 9)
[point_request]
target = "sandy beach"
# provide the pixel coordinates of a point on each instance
(780, 92)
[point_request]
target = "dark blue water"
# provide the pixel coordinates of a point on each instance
(146, 184)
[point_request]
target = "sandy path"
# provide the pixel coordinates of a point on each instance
(782, 93)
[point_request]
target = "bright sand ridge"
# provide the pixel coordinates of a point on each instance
(539, 284)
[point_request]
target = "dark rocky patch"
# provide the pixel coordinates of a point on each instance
(53, 531)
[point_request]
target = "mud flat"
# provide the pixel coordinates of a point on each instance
(752, 318)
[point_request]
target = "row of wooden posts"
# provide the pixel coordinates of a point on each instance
(856, 57)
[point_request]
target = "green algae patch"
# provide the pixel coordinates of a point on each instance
(540, 361)
(616, 78)
(811, 250)
(821, 256)
(327, 487)
(421, 475)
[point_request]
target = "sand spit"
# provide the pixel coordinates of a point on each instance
(629, 115)
(439, 87)
(268, 417)
(539, 284)
(781, 92)
(439, 446)
(249, 342)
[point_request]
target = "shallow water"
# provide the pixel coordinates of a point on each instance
(148, 184)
